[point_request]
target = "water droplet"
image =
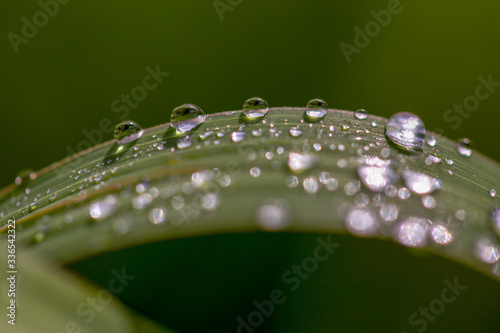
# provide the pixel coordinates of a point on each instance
(101, 209)
(255, 108)
(487, 251)
(127, 131)
(495, 219)
(184, 142)
(406, 131)
(301, 162)
(157, 216)
(238, 136)
(142, 201)
(493, 192)
(429, 202)
(295, 131)
(255, 172)
(420, 183)
(315, 110)
(186, 117)
(441, 235)
(257, 132)
(205, 135)
(274, 216)
(376, 174)
(389, 212)
(292, 181)
(352, 187)
(25, 176)
(431, 141)
(310, 184)
(412, 232)
(360, 114)
(464, 147)
(210, 201)
(361, 222)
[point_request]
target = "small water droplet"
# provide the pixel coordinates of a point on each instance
(361, 222)
(376, 174)
(292, 181)
(255, 108)
(464, 147)
(205, 135)
(310, 184)
(412, 232)
(25, 176)
(316, 110)
(389, 212)
(301, 162)
(157, 216)
(186, 117)
(274, 216)
(238, 136)
(487, 251)
(360, 114)
(184, 142)
(495, 220)
(127, 131)
(257, 132)
(429, 202)
(431, 141)
(295, 131)
(406, 131)
(420, 183)
(441, 235)
(493, 192)
(255, 172)
(101, 209)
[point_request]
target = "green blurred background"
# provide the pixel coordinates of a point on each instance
(64, 80)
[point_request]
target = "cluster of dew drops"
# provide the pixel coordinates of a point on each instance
(377, 174)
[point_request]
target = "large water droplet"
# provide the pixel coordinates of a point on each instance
(420, 183)
(464, 147)
(315, 110)
(186, 117)
(301, 162)
(255, 107)
(406, 131)
(127, 131)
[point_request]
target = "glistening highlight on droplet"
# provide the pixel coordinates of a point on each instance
(406, 131)
(186, 117)
(315, 110)
(255, 108)
(127, 131)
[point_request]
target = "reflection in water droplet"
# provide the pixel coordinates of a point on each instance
(315, 110)
(360, 114)
(295, 131)
(441, 235)
(238, 136)
(127, 131)
(255, 107)
(487, 251)
(157, 216)
(301, 162)
(186, 117)
(361, 222)
(389, 212)
(406, 131)
(464, 147)
(274, 216)
(420, 183)
(412, 232)
(99, 210)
